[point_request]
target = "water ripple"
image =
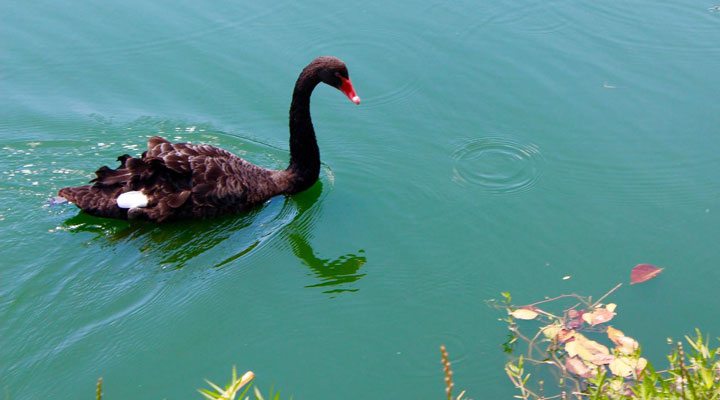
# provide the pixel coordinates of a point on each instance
(667, 27)
(118, 268)
(497, 165)
(643, 178)
(520, 16)
(534, 17)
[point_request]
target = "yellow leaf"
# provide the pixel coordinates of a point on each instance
(640, 366)
(627, 366)
(524, 313)
(572, 348)
(617, 385)
(551, 331)
(587, 317)
(621, 367)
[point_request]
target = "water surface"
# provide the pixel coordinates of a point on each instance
(500, 146)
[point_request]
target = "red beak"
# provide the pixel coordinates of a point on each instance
(347, 88)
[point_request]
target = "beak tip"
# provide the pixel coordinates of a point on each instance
(355, 99)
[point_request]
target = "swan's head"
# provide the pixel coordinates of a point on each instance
(333, 72)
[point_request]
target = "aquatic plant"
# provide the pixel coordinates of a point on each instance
(590, 359)
(447, 370)
(232, 389)
(237, 388)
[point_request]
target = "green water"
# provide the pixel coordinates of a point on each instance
(499, 146)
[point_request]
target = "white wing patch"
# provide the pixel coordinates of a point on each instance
(132, 199)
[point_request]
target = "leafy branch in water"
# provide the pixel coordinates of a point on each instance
(238, 387)
(231, 390)
(589, 359)
(234, 387)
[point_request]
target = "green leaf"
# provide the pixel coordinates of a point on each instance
(506, 296)
(217, 388)
(207, 394)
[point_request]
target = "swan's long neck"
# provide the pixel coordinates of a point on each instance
(304, 165)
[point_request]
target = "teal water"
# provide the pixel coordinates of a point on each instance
(500, 146)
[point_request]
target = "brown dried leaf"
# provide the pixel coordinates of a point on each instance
(565, 335)
(588, 350)
(643, 272)
(576, 366)
(628, 345)
(614, 334)
(625, 344)
(602, 359)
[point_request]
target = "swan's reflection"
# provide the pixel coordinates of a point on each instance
(335, 275)
(208, 242)
(178, 244)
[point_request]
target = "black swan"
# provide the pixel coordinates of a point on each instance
(181, 180)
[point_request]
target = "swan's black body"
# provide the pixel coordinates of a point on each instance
(196, 181)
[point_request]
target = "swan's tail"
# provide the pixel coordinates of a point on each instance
(99, 198)
(94, 200)
(138, 188)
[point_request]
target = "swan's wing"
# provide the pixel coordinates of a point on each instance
(178, 156)
(229, 183)
(182, 179)
(219, 181)
(178, 180)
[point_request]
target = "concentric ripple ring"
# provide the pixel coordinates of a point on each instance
(497, 165)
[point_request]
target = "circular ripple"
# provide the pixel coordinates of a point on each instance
(497, 165)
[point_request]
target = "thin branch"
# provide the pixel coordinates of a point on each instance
(607, 294)
(562, 296)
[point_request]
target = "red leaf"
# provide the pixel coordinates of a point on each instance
(575, 320)
(643, 272)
